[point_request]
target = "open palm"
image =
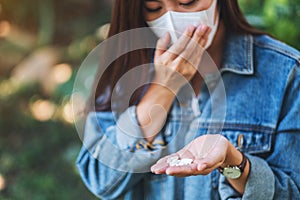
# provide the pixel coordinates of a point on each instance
(208, 152)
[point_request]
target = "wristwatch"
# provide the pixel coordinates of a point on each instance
(234, 172)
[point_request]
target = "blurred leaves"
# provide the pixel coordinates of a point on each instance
(37, 159)
(42, 43)
(278, 17)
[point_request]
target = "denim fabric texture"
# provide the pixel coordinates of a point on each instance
(262, 81)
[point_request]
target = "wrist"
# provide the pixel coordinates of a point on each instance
(173, 85)
(236, 169)
(152, 110)
(233, 157)
(160, 93)
(233, 167)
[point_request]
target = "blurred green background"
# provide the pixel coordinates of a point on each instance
(42, 44)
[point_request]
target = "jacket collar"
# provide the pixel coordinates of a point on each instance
(238, 55)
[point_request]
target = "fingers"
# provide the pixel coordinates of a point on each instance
(164, 56)
(162, 164)
(203, 33)
(192, 38)
(207, 152)
(162, 44)
(177, 65)
(182, 171)
(205, 166)
(159, 167)
(195, 47)
(198, 167)
(181, 44)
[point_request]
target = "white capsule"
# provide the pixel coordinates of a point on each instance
(185, 161)
(176, 162)
(172, 159)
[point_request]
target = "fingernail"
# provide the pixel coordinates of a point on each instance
(209, 29)
(199, 29)
(203, 27)
(190, 29)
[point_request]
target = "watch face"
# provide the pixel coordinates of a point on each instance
(232, 172)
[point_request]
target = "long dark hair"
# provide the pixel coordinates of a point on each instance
(127, 15)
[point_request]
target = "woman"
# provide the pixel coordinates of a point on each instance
(250, 152)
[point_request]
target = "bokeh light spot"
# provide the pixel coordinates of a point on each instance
(68, 113)
(2, 183)
(5, 28)
(42, 110)
(61, 73)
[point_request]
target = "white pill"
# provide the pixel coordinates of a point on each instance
(172, 159)
(185, 161)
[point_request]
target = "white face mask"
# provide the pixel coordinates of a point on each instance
(176, 22)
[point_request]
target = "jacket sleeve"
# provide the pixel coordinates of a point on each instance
(278, 176)
(107, 169)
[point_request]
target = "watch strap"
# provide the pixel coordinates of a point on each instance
(240, 166)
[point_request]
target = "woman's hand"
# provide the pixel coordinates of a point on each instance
(208, 152)
(175, 66)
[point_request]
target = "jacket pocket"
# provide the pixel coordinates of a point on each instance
(249, 138)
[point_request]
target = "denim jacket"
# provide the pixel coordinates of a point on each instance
(261, 77)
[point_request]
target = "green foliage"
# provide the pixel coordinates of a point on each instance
(37, 158)
(278, 17)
